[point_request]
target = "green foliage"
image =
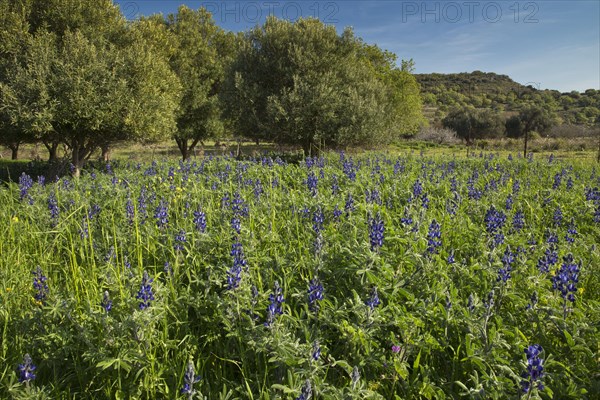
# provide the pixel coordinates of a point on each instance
(302, 83)
(470, 123)
(81, 77)
(499, 92)
(200, 52)
(452, 340)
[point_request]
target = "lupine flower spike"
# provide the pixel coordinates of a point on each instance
(26, 370)
(189, 379)
(532, 378)
(145, 295)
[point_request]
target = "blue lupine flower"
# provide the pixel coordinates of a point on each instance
(189, 380)
(318, 220)
(25, 184)
(41, 180)
(434, 235)
(494, 220)
(551, 238)
(26, 369)
(417, 189)
(168, 270)
(200, 220)
(145, 295)
(398, 168)
(508, 258)
(349, 207)
(94, 210)
(509, 202)
(472, 191)
(306, 392)
(516, 187)
(312, 182)
(571, 232)
(350, 170)
(335, 187)
(373, 196)
(448, 304)
(239, 207)
(162, 215)
(179, 240)
(569, 183)
(355, 377)
(53, 208)
(110, 255)
(236, 224)
(373, 301)
(315, 294)
(225, 201)
(84, 232)
(234, 275)
(376, 232)
(316, 351)
(557, 181)
(451, 259)
(490, 303)
(566, 278)
(406, 219)
(40, 285)
(106, 302)
(142, 199)
(471, 303)
(276, 300)
(318, 244)
(558, 216)
(129, 211)
(258, 189)
(337, 213)
(518, 221)
(533, 301)
(425, 201)
(549, 259)
(532, 378)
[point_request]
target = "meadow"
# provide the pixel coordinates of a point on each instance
(349, 276)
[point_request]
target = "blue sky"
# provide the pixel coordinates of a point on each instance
(550, 44)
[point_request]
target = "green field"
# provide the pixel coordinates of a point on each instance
(364, 276)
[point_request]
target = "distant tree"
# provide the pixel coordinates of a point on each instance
(13, 35)
(106, 94)
(301, 83)
(81, 76)
(529, 119)
(200, 52)
(471, 124)
(26, 107)
(404, 101)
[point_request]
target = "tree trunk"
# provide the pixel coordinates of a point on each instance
(183, 148)
(79, 156)
(52, 148)
(105, 153)
(14, 148)
(186, 150)
(75, 161)
(307, 147)
(525, 146)
(257, 141)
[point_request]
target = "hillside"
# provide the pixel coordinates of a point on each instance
(441, 92)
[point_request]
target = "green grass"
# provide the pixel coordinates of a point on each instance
(449, 346)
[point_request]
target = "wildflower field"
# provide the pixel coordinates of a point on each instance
(345, 277)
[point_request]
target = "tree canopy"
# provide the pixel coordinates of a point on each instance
(302, 83)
